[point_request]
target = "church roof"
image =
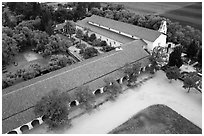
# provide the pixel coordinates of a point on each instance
(141, 32)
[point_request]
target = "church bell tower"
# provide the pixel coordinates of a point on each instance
(163, 27)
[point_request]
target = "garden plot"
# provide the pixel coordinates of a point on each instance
(157, 90)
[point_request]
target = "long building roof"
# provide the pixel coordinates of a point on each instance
(21, 98)
(115, 36)
(141, 32)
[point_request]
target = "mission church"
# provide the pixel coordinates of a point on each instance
(117, 33)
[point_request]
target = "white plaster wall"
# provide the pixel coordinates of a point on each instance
(109, 41)
(149, 45)
(160, 41)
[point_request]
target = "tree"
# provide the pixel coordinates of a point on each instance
(58, 61)
(80, 11)
(31, 24)
(8, 18)
(9, 49)
(112, 87)
(96, 43)
(132, 72)
(69, 28)
(54, 107)
(96, 11)
(188, 83)
(153, 65)
(192, 50)
(173, 73)
(8, 31)
(199, 58)
(89, 52)
(40, 39)
(85, 97)
(175, 58)
(93, 5)
(79, 34)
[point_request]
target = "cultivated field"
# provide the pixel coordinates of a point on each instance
(157, 119)
(187, 13)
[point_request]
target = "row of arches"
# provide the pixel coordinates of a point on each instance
(28, 126)
(74, 103)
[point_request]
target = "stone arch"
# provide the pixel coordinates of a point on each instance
(35, 122)
(118, 80)
(44, 118)
(73, 103)
(104, 88)
(141, 69)
(97, 92)
(12, 132)
(125, 78)
(24, 128)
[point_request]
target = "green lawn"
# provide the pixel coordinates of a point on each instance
(24, 63)
(157, 119)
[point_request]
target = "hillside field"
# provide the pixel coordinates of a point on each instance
(187, 13)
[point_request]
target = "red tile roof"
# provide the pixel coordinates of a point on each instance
(141, 32)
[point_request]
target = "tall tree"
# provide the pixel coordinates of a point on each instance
(9, 49)
(175, 57)
(172, 73)
(79, 34)
(54, 107)
(188, 83)
(192, 50)
(70, 28)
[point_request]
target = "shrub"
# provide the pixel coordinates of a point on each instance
(6, 82)
(92, 37)
(103, 43)
(58, 61)
(96, 43)
(107, 48)
(54, 106)
(81, 46)
(89, 52)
